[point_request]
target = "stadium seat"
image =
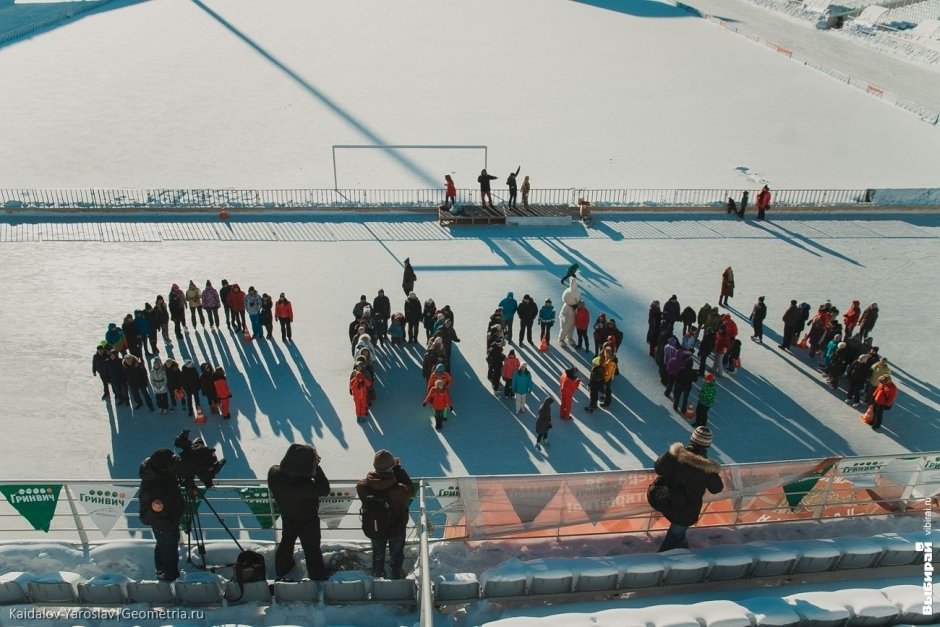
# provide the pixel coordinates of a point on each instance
(551, 583)
(818, 609)
(816, 556)
(772, 560)
(858, 553)
(910, 603)
(152, 592)
(455, 588)
(639, 570)
(11, 591)
(395, 590)
(728, 562)
(683, 566)
(503, 585)
(867, 606)
(896, 550)
(254, 592)
(54, 587)
(595, 574)
(721, 614)
(106, 594)
(296, 591)
(198, 592)
(348, 591)
(772, 612)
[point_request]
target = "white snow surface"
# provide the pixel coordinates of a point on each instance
(235, 93)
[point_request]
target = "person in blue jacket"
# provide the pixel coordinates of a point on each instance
(509, 306)
(547, 319)
(521, 386)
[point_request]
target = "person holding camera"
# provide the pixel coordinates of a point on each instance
(297, 484)
(385, 494)
(161, 508)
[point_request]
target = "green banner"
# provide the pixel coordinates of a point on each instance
(260, 503)
(795, 492)
(35, 502)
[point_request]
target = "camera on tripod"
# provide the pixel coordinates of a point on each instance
(196, 460)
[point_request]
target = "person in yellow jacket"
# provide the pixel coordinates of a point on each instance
(878, 370)
(194, 299)
(609, 363)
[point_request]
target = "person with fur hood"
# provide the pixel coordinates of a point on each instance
(158, 377)
(727, 287)
(684, 474)
(137, 380)
(850, 319)
(508, 306)
(297, 484)
(867, 320)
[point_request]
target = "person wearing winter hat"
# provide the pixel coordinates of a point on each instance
(850, 318)
(543, 423)
(758, 313)
(546, 320)
(706, 398)
(510, 366)
(158, 378)
(177, 304)
(297, 484)
(527, 312)
(284, 314)
(684, 473)
(408, 277)
(387, 482)
(194, 300)
(521, 386)
(161, 508)
(440, 402)
(99, 366)
(211, 303)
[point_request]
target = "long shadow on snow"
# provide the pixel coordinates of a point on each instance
(48, 16)
(640, 8)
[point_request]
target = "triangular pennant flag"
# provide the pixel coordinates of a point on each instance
(528, 502)
(36, 503)
(796, 491)
(596, 495)
(259, 501)
(104, 502)
(335, 506)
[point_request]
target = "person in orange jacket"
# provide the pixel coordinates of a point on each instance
(883, 398)
(359, 384)
(440, 401)
(569, 383)
(284, 313)
(582, 320)
(440, 374)
(850, 318)
(222, 392)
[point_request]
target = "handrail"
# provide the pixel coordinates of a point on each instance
(299, 198)
(424, 591)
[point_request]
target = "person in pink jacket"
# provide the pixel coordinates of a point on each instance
(763, 201)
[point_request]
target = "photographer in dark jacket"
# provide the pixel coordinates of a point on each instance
(389, 480)
(161, 508)
(685, 473)
(297, 484)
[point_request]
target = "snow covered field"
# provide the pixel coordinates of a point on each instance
(68, 291)
(233, 93)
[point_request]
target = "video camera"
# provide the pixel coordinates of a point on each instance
(196, 460)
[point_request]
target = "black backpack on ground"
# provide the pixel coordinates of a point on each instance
(249, 567)
(376, 515)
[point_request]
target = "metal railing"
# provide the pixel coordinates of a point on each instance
(194, 199)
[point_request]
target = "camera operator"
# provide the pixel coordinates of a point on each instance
(390, 482)
(297, 485)
(161, 508)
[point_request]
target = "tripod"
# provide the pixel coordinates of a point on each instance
(194, 528)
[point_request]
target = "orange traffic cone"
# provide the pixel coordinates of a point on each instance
(804, 342)
(247, 335)
(690, 411)
(200, 417)
(543, 346)
(223, 215)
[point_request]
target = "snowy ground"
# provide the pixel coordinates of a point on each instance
(68, 291)
(234, 93)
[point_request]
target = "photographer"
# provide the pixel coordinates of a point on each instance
(161, 508)
(390, 483)
(296, 486)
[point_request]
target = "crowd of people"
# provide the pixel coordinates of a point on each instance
(128, 361)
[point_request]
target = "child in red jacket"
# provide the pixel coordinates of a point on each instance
(569, 383)
(359, 384)
(883, 398)
(440, 401)
(222, 392)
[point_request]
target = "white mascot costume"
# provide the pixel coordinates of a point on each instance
(570, 297)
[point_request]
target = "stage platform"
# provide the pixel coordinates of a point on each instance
(541, 215)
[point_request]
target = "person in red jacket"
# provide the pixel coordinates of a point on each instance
(284, 313)
(359, 384)
(763, 201)
(440, 401)
(722, 345)
(450, 195)
(731, 327)
(582, 320)
(883, 398)
(850, 318)
(236, 301)
(222, 391)
(569, 383)
(510, 365)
